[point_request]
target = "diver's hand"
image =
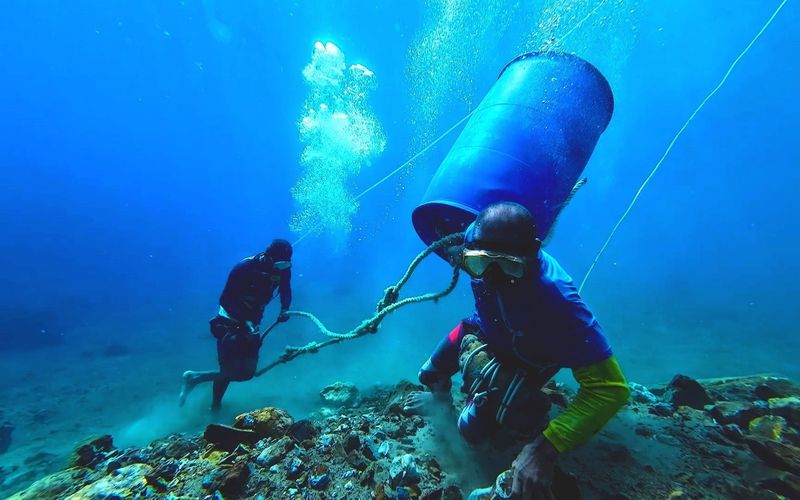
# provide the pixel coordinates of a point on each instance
(283, 317)
(533, 470)
(419, 403)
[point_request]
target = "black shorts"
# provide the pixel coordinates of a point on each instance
(237, 349)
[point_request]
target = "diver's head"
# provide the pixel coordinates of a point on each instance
(500, 244)
(280, 252)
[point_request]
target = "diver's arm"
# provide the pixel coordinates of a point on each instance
(436, 375)
(603, 391)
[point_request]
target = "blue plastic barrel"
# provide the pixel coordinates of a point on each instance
(528, 142)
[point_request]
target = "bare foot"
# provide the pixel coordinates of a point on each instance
(418, 403)
(189, 381)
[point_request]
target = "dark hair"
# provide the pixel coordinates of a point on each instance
(504, 227)
(279, 250)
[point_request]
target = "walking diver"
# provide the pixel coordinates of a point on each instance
(251, 285)
(529, 323)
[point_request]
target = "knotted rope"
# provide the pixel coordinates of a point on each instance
(388, 304)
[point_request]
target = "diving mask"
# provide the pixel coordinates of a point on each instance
(282, 265)
(475, 263)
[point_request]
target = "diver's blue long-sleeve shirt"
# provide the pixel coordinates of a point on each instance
(541, 320)
(251, 285)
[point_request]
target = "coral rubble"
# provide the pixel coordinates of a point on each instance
(720, 438)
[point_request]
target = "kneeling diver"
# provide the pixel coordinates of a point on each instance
(529, 323)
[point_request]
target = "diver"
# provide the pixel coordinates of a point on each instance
(251, 285)
(529, 323)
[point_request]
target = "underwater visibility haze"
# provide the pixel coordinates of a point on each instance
(148, 147)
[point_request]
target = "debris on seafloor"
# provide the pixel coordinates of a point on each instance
(742, 442)
(339, 394)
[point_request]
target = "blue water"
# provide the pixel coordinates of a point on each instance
(148, 146)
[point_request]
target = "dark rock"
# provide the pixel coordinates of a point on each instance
(434, 467)
(156, 483)
(357, 460)
(228, 438)
(765, 392)
(352, 442)
(644, 431)
(565, 485)
(339, 394)
(369, 450)
(233, 480)
(5, 436)
(734, 412)
(394, 409)
(788, 408)
(91, 452)
(367, 475)
(303, 430)
(787, 485)
(777, 455)
(685, 391)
